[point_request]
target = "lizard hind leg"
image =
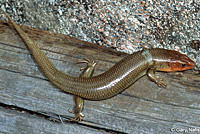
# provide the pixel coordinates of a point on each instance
(79, 102)
(77, 109)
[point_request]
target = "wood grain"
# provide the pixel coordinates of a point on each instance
(142, 108)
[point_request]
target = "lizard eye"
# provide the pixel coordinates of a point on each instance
(183, 65)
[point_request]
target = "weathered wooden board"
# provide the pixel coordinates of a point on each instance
(143, 108)
(13, 122)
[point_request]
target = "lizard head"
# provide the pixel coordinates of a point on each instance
(175, 61)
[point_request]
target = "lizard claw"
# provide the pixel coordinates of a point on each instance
(69, 110)
(84, 61)
(160, 83)
(77, 118)
(89, 63)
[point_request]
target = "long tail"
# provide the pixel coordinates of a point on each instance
(44, 63)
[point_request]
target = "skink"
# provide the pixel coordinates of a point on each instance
(117, 78)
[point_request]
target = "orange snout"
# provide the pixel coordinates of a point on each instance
(179, 65)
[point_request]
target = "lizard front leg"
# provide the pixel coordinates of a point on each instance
(154, 78)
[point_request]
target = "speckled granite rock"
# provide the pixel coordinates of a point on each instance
(126, 26)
